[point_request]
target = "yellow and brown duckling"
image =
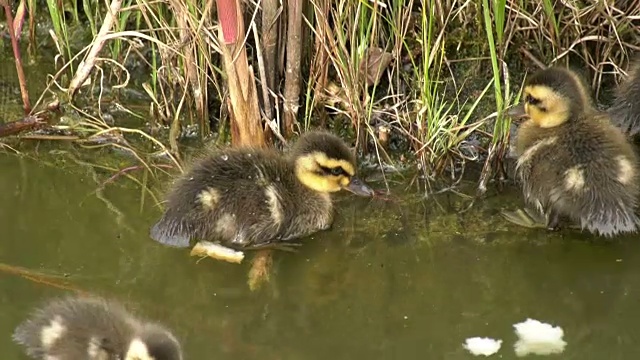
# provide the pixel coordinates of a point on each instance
(625, 111)
(95, 329)
(573, 162)
(258, 198)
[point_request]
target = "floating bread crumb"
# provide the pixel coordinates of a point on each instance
(535, 337)
(216, 251)
(482, 345)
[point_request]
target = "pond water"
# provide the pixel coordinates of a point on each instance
(405, 279)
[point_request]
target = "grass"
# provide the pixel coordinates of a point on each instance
(415, 73)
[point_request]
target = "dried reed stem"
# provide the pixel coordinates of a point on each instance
(292, 69)
(84, 70)
(270, 15)
(246, 124)
(320, 67)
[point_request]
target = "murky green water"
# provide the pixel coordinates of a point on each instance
(405, 280)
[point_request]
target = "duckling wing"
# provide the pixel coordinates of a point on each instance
(171, 233)
(607, 208)
(585, 171)
(610, 200)
(234, 196)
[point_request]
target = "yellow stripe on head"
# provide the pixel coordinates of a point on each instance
(320, 173)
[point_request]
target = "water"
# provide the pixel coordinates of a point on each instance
(405, 280)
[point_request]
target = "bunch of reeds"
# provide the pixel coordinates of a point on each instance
(403, 77)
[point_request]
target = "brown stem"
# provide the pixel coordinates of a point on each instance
(292, 80)
(14, 127)
(270, 15)
(16, 54)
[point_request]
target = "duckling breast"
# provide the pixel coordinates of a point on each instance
(153, 342)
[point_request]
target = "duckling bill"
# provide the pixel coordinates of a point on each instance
(256, 198)
(76, 328)
(573, 163)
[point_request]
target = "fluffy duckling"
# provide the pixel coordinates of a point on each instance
(76, 328)
(257, 198)
(625, 111)
(572, 161)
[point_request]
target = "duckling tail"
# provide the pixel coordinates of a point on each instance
(170, 233)
(619, 222)
(626, 115)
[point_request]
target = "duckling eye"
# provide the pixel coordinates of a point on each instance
(337, 171)
(531, 100)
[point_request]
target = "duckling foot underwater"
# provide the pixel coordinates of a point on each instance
(76, 328)
(534, 220)
(248, 199)
(572, 161)
(219, 252)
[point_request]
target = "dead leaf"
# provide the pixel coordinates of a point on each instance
(375, 62)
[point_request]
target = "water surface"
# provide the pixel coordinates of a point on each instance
(409, 279)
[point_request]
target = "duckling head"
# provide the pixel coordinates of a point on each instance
(154, 342)
(324, 163)
(551, 97)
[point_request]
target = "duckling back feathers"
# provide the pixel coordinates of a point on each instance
(625, 111)
(582, 167)
(93, 329)
(239, 196)
(250, 197)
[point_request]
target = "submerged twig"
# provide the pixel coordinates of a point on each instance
(14, 127)
(129, 169)
(44, 137)
(39, 278)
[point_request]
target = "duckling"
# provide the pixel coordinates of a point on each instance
(572, 161)
(625, 111)
(76, 328)
(258, 198)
